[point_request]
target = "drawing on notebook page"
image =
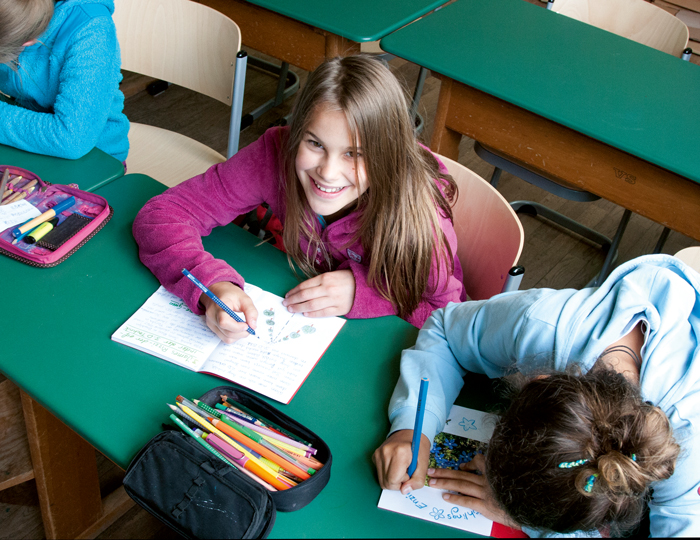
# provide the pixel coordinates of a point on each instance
(465, 434)
(278, 333)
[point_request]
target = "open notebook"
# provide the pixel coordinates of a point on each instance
(275, 362)
(466, 432)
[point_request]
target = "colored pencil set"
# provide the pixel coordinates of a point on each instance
(13, 189)
(251, 444)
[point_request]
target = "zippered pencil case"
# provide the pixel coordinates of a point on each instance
(66, 233)
(198, 495)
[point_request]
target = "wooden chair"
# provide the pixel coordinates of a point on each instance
(633, 19)
(190, 45)
(690, 256)
(489, 235)
(637, 20)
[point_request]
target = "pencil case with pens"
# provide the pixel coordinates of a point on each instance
(80, 216)
(184, 484)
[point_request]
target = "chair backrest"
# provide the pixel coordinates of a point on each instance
(179, 41)
(637, 20)
(690, 256)
(489, 234)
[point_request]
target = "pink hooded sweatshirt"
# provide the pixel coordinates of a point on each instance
(168, 230)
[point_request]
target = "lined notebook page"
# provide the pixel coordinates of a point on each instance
(165, 327)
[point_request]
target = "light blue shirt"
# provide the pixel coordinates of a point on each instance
(543, 329)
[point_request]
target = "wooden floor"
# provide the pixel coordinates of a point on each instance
(551, 257)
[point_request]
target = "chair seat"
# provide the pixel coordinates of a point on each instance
(167, 156)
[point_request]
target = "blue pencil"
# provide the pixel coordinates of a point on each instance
(216, 299)
(418, 427)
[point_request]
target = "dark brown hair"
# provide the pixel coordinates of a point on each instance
(399, 225)
(20, 22)
(599, 416)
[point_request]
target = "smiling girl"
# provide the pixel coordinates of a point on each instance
(365, 209)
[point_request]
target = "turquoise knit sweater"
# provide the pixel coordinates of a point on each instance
(65, 91)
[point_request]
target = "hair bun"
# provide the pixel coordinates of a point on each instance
(621, 474)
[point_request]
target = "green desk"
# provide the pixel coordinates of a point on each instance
(93, 170)
(305, 33)
(114, 396)
(567, 100)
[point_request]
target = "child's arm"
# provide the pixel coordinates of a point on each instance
(470, 488)
(393, 458)
(443, 287)
(220, 322)
(327, 295)
(87, 82)
(488, 336)
(169, 228)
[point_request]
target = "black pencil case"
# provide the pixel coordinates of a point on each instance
(199, 496)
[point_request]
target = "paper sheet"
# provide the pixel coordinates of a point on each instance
(165, 327)
(285, 349)
(465, 429)
(15, 213)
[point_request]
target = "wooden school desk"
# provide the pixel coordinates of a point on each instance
(567, 100)
(114, 396)
(305, 33)
(91, 171)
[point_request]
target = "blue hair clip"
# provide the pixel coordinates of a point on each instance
(589, 483)
(634, 457)
(572, 464)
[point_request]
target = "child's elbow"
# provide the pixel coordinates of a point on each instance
(76, 151)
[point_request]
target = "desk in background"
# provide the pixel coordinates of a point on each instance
(305, 33)
(566, 100)
(114, 396)
(91, 171)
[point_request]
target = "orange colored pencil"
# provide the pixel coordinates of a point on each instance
(260, 449)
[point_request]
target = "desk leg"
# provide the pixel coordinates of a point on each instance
(339, 46)
(444, 141)
(66, 477)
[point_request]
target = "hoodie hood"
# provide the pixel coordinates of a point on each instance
(65, 9)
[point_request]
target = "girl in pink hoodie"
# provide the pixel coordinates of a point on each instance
(366, 209)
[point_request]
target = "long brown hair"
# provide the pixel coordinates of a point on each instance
(599, 417)
(398, 222)
(21, 21)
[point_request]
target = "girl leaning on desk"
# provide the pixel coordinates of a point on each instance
(604, 423)
(59, 78)
(365, 208)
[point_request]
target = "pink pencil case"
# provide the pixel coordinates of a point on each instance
(91, 208)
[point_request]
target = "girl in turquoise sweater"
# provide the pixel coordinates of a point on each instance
(59, 78)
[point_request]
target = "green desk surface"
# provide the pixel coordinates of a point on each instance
(630, 96)
(57, 347)
(93, 170)
(359, 20)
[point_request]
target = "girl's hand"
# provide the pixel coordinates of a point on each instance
(325, 295)
(472, 489)
(220, 322)
(393, 458)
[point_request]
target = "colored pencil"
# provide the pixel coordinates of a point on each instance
(252, 464)
(232, 432)
(216, 299)
(418, 427)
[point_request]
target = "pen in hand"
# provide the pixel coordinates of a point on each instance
(215, 299)
(418, 427)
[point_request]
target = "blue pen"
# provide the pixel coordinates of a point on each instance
(46, 216)
(216, 299)
(418, 427)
